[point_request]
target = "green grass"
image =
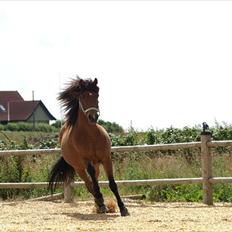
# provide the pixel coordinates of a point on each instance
(32, 139)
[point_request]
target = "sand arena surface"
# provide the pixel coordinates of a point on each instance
(79, 216)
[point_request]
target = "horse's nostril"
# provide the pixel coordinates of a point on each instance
(93, 118)
(97, 116)
(90, 118)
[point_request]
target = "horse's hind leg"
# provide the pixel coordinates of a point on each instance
(113, 186)
(99, 201)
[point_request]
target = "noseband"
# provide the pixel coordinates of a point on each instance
(88, 109)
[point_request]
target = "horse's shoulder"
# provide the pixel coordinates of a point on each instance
(103, 131)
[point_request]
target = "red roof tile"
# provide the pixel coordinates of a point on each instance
(21, 111)
(9, 96)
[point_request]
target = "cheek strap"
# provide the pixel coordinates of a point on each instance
(87, 110)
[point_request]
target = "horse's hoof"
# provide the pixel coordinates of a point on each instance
(124, 212)
(102, 209)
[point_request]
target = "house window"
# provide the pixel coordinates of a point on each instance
(2, 108)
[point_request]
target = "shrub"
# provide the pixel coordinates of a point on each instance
(111, 127)
(24, 126)
(58, 123)
(1, 127)
(150, 136)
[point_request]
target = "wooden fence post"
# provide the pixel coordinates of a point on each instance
(68, 192)
(206, 161)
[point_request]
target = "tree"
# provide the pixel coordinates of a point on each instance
(111, 127)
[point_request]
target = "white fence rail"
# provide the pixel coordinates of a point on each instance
(207, 178)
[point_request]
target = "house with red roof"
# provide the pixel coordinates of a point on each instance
(13, 108)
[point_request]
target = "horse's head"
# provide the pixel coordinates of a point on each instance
(80, 95)
(88, 100)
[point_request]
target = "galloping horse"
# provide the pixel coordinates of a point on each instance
(84, 144)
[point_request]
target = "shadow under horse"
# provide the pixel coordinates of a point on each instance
(84, 143)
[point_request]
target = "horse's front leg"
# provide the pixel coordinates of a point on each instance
(113, 186)
(99, 201)
(93, 187)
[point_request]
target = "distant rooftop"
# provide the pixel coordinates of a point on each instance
(14, 108)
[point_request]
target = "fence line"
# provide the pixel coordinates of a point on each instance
(122, 149)
(198, 180)
(7, 153)
(207, 179)
(30, 185)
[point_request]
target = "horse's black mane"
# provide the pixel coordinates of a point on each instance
(70, 95)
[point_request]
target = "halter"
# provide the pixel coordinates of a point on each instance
(90, 108)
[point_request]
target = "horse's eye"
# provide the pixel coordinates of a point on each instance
(90, 94)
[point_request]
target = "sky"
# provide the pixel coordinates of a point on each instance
(158, 63)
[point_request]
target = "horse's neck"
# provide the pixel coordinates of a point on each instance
(85, 133)
(82, 125)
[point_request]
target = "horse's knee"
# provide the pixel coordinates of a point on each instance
(91, 170)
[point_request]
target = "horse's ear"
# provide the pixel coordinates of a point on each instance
(95, 81)
(81, 82)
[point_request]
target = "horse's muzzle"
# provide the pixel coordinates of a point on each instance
(93, 116)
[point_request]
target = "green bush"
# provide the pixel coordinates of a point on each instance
(1, 127)
(189, 193)
(58, 123)
(150, 137)
(111, 127)
(23, 126)
(45, 127)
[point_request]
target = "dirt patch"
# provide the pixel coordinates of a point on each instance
(79, 216)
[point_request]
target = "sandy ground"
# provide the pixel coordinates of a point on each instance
(79, 216)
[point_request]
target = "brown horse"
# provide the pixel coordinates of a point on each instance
(84, 144)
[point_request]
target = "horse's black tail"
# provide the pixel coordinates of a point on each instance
(61, 172)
